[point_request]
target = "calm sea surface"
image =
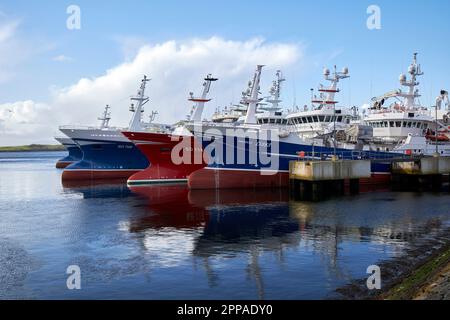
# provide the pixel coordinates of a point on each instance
(166, 242)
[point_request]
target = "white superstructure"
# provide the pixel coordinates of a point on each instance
(324, 116)
(405, 116)
(433, 142)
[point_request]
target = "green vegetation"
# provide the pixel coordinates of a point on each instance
(411, 284)
(33, 147)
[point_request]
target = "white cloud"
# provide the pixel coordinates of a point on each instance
(7, 30)
(25, 122)
(176, 67)
(62, 58)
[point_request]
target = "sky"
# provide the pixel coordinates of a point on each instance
(51, 75)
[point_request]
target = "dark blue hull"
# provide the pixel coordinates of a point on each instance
(106, 159)
(262, 164)
(278, 160)
(75, 154)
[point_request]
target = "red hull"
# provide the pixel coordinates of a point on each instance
(227, 179)
(159, 150)
(96, 174)
(63, 164)
(376, 179)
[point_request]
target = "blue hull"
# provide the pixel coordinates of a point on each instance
(75, 154)
(106, 160)
(286, 153)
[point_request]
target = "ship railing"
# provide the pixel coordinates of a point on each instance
(355, 155)
(418, 109)
(77, 127)
(239, 125)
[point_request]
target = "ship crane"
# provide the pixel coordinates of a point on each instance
(442, 98)
(152, 116)
(443, 103)
(441, 133)
(378, 102)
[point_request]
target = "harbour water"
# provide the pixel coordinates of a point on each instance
(166, 242)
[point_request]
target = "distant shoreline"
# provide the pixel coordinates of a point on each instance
(33, 147)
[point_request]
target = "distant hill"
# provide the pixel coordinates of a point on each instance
(33, 147)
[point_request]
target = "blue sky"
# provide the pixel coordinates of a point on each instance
(329, 32)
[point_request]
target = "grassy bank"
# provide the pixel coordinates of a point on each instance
(411, 285)
(33, 147)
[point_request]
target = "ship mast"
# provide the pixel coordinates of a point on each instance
(327, 94)
(252, 97)
(275, 93)
(414, 70)
(200, 102)
(105, 118)
(135, 123)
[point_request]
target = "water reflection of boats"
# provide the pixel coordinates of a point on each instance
(208, 229)
(363, 224)
(167, 206)
(230, 197)
(177, 206)
(180, 225)
(97, 189)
